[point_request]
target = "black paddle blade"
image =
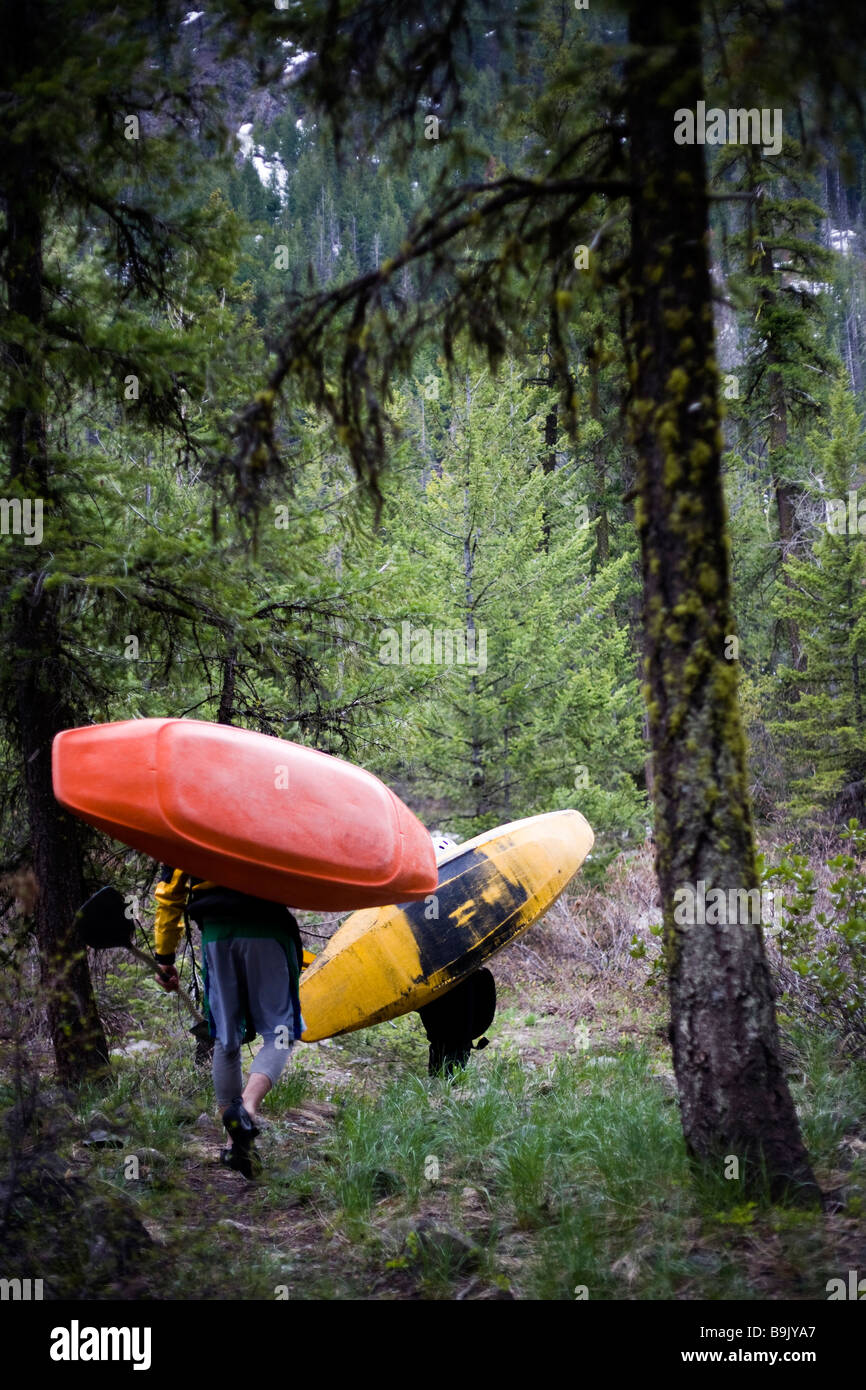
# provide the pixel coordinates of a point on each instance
(102, 921)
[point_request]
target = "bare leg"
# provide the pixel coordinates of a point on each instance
(255, 1091)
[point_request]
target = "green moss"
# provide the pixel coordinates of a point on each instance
(708, 580)
(672, 472)
(668, 435)
(700, 455)
(676, 319)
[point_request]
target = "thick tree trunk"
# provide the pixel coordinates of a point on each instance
(35, 685)
(77, 1036)
(734, 1098)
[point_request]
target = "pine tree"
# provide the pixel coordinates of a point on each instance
(104, 244)
(824, 735)
(788, 359)
(545, 715)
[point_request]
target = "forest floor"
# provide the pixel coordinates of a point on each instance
(553, 1167)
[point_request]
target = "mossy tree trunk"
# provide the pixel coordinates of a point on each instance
(34, 680)
(733, 1093)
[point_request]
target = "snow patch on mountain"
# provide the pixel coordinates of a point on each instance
(270, 169)
(841, 239)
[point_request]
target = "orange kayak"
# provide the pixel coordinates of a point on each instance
(258, 814)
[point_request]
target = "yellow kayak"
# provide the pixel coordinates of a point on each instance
(386, 961)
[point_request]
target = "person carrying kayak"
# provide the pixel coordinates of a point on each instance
(252, 955)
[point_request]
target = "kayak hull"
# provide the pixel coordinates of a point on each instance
(388, 961)
(258, 814)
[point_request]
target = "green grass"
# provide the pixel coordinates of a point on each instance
(582, 1170)
(293, 1088)
(832, 1102)
(541, 1179)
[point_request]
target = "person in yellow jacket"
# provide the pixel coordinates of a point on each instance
(252, 956)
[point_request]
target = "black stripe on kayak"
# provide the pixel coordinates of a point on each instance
(444, 940)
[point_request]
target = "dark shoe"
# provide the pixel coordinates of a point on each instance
(242, 1157)
(239, 1124)
(248, 1164)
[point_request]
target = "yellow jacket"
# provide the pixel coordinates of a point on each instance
(171, 897)
(208, 899)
